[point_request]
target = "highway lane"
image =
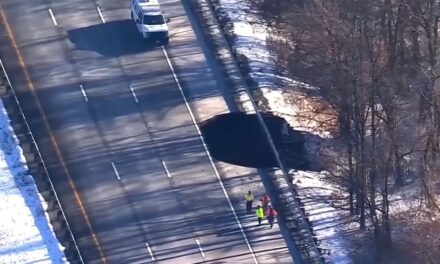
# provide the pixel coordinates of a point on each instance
(168, 195)
(106, 96)
(159, 98)
(125, 132)
(103, 198)
(50, 70)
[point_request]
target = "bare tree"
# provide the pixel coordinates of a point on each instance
(425, 17)
(367, 57)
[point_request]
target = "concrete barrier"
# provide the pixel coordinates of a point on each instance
(26, 147)
(9, 104)
(59, 225)
(48, 194)
(72, 255)
(23, 137)
(52, 205)
(31, 157)
(55, 214)
(36, 170)
(18, 127)
(3, 90)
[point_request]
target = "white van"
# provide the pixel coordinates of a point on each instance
(149, 20)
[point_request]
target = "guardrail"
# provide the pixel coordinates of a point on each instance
(50, 195)
(295, 215)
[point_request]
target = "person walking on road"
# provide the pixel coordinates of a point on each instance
(265, 201)
(249, 198)
(271, 213)
(260, 214)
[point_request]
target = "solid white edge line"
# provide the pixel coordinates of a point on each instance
(133, 93)
(200, 248)
(166, 169)
(150, 251)
(209, 156)
(53, 17)
(116, 171)
(100, 14)
(84, 93)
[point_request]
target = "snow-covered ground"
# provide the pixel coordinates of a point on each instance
(25, 232)
(251, 42)
(327, 220)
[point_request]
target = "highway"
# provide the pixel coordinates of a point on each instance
(115, 119)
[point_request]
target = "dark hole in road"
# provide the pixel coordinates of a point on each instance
(112, 39)
(238, 138)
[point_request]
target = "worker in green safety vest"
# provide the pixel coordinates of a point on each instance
(260, 214)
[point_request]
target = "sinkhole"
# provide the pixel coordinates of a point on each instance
(239, 139)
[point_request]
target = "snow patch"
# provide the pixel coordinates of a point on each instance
(25, 233)
(251, 35)
(327, 221)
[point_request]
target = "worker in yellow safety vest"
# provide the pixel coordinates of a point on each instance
(249, 198)
(260, 214)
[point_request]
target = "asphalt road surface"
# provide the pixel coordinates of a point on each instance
(114, 129)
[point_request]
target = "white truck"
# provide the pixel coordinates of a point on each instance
(149, 20)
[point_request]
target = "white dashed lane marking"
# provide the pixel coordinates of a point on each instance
(100, 14)
(200, 248)
(116, 171)
(133, 93)
(166, 169)
(83, 93)
(52, 16)
(150, 251)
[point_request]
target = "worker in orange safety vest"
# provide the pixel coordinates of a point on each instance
(265, 201)
(271, 213)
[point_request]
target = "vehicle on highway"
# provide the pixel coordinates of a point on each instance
(149, 20)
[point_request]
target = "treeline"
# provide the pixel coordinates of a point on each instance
(376, 63)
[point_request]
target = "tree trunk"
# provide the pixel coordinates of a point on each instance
(362, 183)
(351, 184)
(372, 172)
(398, 172)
